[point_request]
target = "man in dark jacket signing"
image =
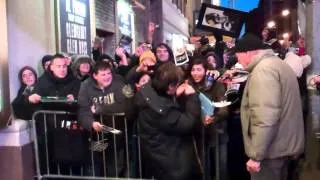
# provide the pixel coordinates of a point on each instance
(166, 128)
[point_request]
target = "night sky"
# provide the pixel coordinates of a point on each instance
(242, 5)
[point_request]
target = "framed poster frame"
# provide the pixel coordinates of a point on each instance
(62, 39)
(221, 20)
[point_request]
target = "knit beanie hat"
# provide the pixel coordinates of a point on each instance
(45, 59)
(147, 54)
(250, 42)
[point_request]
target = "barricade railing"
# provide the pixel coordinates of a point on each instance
(206, 164)
(318, 135)
(113, 154)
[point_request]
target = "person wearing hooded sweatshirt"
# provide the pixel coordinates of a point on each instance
(82, 67)
(104, 94)
(20, 105)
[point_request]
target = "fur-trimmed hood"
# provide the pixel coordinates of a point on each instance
(78, 60)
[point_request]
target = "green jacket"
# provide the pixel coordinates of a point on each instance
(271, 112)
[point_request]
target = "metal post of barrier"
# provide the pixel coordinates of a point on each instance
(204, 161)
(92, 163)
(34, 130)
(103, 152)
(217, 159)
(115, 148)
(81, 171)
(139, 153)
(46, 143)
(53, 173)
(55, 126)
(127, 147)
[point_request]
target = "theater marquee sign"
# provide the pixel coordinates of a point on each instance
(73, 21)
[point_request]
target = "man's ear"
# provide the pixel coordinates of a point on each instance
(94, 76)
(50, 67)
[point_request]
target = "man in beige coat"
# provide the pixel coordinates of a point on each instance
(271, 113)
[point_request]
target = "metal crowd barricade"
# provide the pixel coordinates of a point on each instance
(46, 169)
(204, 155)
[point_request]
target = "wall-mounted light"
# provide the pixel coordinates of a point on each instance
(124, 7)
(271, 24)
(285, 12)
(285, 35)
(215, 2)
(281, 41)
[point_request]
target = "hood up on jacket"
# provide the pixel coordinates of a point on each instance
(76, 66)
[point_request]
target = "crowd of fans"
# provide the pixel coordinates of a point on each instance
(178, 141)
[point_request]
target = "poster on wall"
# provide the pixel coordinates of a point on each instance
(125, 26)
(179, 50)
(74, 26)
(125, 42)
(221, 20)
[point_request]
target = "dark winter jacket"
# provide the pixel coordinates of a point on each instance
(124, 70)
(22, 109)
(166, 134)
(216, 94)
(113, 99)
(49, 85)
(133, 76)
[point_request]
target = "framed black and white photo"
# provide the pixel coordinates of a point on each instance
(221, 20)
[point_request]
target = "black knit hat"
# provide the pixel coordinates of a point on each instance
(46, 58)
(249, 42)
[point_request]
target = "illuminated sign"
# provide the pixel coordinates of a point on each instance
(74, 26)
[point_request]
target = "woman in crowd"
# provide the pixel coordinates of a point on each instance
(20, 105)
